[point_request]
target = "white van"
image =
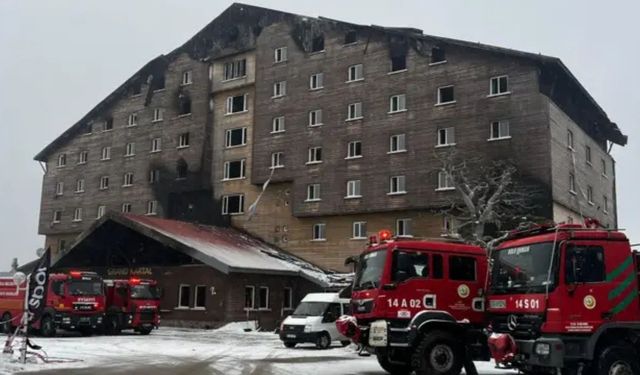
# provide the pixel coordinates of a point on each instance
(314, 321)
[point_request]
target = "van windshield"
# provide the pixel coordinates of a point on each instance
(369, 270)
(310, 309)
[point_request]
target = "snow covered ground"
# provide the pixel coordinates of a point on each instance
(228, 351)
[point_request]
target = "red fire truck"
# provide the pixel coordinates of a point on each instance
(419, 305)
(564, 299)
(75, 301)
(132, 304)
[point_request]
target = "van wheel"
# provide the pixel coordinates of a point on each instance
(289, 344)
(391, 368)
(617, 360)
(47, 326)
(438, 354)
(323, 341)
(345, 343)
(7, 327)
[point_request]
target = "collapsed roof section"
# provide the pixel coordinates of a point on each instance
(237, 28)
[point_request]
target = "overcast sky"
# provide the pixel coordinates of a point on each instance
(58, 59)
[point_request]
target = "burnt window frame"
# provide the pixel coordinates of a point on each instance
(226, 204)
(350, 37)
(317, 44)
(396, 65)
(438, 56)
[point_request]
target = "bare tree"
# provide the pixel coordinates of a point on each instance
(487, 192)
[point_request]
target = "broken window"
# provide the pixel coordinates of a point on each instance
(158, 82)
(234, 169)
(445, 95)
(233, 204)
(236, 103)
(236, 137)
(108, 124)
(438, 55)
(398, 63)
(184, 104)
(350, 37)
(136, 89)
(182, 169)
(235, 69)
(317, 45)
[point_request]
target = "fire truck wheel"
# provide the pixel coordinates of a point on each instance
(617, 360)
(323, 341)
(391, 368)
(6, 325)
(47, 326)
(289, 344)
(439, 353)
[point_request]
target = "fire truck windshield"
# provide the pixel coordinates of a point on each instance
(369, 270)
(85, 288)
(144, 292)
(523, 269)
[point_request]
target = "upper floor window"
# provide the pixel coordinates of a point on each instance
(398, 63)
(154, 176)
(590, 194)
(236, 104)
(572, 183)
(233, 204)
(280, 54)
(277, 124)
(570, 139)
(130, 149)
(107, 124)
(397, 185)
(187, 77)
(446, 137)
(317, 44)
(397, 103)
(182, 170)
(587, 152)
(315, 155)
(156, 145)
(133, 119)
(106, 153)
(356, 73)
(235, 69)
(128, 179)
(184, 104)
(397, 143)
(444, 181)
(319, 232)
(60, 188)
(350, 37)
(359, 230)
(315, 117)
(234, 169)
(604, 167)
(104, 182)
(499, 130)
(277, 160)
(126, 208)
(438, 55)
(316, 81)
(183, 140)
(235, 137)
(499, 85)
(445, 95)
(152, 207)
(279, 89)
(353, 189)
(403, 227)
(57, 216)
(313, 192)
(158, 114)
(77, 214)
(62, 160)
(80, 185)
(88, 129)
(605, 204)
(354, 111)
(83, 156)
(354, 149)
(101, 211)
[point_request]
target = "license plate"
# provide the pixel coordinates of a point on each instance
(291, 336)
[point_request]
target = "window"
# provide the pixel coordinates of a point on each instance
(235, 137)
(83, 156)
(572, 183)
(359, 230)
(154, 176)
(318, 232)
(590, 194)
(315, 155)
(438, 55)
(234, 169)
(397, 143)
(126, 208)
(462, 268)
(130, 149)
(356, 73)
(604, 167)
(156, 145)
(397, 185)
(316, 81)
(101, 211)
(315, 117)
(187, 77)
(182, 169)
(354, 111)
(158, 114)
(570, 139)
(200, 297)
(152, 207)
(317, 44)
(235, 69)
(62, 160)
(587, 152)
(446, 137)
(80, 185)
(277, 124)
(263, 298)
(398, 63)
(88, 129)
(444, 181)
(128, 179)
(353, 189)
(403, 228)
(277, 160)
(350, 37)
(183, 140)
(133, 119)
(313, 192)
(397, 103)
(183, 296)
(354, 149)
(106, 153)
(438, 268)
(107, 125)
(409, 264)
(279, 89)
(104, 182)
(280, 54)
(584, 264)
(233, 204)
(287, 299)
(184, 104)
(57, 216)
(236, 104)
(605, 204)
(249, 297)
(60, 188)
(499, 130)
(499, 85)
(77, 214)
(445, 95)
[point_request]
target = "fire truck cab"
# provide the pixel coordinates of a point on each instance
(418, 304)
(565, 299)
(132, 304)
